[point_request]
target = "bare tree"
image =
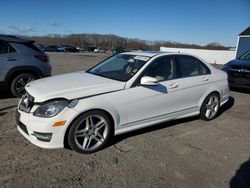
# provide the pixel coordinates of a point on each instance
(111, 41)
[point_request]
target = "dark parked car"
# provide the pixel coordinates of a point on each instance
(91, 49)
(67, 48)
(71, 49)
(51, 48)
(238, 71)
(117, 50)
(20, 62)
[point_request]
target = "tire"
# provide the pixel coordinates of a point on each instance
(18, 83)
(90, 132)
(210, 107)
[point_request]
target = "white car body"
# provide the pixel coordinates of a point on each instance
(99, 50)
(130, 107)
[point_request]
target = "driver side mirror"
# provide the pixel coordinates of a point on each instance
(148, 81)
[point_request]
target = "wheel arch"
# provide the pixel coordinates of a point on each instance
(206, 95)
(21, 70)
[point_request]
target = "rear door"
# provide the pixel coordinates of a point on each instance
(195, 78)
(7, 57)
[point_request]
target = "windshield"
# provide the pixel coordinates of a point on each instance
(120, 67)
(245, 56)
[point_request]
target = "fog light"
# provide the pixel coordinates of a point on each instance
(45, 137)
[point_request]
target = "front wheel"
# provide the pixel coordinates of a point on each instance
(19, 82)
(210, 107)
(90, 132)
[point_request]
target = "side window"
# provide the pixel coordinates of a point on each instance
(204, 69)
(189, 66)
(162, 69)
(3, 47)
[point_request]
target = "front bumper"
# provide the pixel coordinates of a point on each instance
(40, 131)
(238, 78)
(239, 82)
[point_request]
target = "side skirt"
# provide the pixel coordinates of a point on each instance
(156, 120)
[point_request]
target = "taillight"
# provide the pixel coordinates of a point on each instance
(43, 58)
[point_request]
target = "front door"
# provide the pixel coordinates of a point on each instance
(148, 102)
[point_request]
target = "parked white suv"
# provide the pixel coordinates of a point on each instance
(125, 92)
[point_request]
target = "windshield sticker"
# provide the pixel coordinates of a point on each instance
(142, 58)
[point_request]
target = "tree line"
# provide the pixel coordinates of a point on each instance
(111, 41)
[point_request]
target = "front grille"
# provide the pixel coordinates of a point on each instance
(239, 74)
(27, 102)
(23, 127)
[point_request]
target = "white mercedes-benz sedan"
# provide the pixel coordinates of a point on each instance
(123, 93)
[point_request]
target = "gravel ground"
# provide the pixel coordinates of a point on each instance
(184, 153)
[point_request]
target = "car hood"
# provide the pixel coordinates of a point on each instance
(239, 62)
(71, 86)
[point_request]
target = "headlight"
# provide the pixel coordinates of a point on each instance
(51, 109)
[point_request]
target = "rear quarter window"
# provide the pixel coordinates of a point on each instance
(6, 48)
(32, 46)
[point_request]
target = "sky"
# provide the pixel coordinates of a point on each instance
(186, 21)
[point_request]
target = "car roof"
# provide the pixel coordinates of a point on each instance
(147, 53)
(12, 38)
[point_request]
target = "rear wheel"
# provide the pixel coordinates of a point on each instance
(90, 132)
(19, 82)
(210, 107)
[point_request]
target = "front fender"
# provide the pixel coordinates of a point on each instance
(84, 106)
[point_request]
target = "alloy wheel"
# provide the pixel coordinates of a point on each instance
(21, 83)
(91, 132)
(212, 107)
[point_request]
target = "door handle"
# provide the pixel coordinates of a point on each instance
(173, 85)
(205, 79)
(10, 59)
